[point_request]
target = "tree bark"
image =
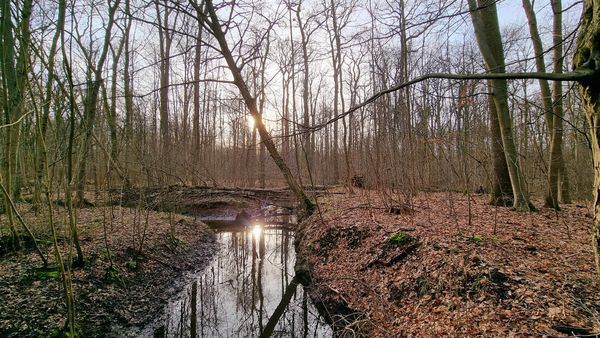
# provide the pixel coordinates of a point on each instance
(305, 91)
(587, 57)
(196, 116)
(128, 127)
(552, 110)
(487, 32)
(557, 171)
(502, 193)
(13, 82)
(165, 65)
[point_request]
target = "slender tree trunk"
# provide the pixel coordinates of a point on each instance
(305, 92)
(128, 127)
(554, 124)
(557, 171)
(90, 105)
(306, 204)
(335, 56)
(43, 119)
(112, 109)
(197, 105)
(165, 39)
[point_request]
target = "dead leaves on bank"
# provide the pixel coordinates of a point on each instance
(109, 301)
(507, 273)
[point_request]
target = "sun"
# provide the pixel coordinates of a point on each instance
(250, 122)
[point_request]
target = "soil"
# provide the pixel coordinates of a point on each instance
(392, 265)
(204, 201)
(110, 302)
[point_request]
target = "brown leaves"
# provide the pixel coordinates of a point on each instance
(507, 274)
(106, 300)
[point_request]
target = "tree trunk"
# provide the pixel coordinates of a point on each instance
(43, 119)
(14, 78)
(554, 124)
(587, 56)
(487, 32)
(502, 193)
(305, 91)
(165, 65)
(196, 116)
(128, 93)
(90, 103)
(306, 204)
(557, 162)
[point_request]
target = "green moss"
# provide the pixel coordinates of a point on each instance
(132, 264)
(63, 332)
(398, 237)
(40, 274)
(475, 239)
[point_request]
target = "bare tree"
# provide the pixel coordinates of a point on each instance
(250, 101)
(487, 32)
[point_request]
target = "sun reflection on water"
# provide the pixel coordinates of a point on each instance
(256, 231)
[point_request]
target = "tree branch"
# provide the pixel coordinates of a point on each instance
(583, 75)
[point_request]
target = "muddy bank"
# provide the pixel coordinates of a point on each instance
(419, 268)
(203, 201)
(135, 261)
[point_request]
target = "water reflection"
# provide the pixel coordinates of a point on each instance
(249, 290)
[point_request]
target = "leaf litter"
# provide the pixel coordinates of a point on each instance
(110, 302)
(507, 274)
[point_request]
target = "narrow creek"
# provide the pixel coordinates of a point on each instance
(248, 290)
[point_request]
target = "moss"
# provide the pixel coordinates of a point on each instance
(63, 332)
(475, 239)
(40, 274)
(131, 264)
(398, 237)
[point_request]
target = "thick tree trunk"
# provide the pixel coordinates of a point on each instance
(587, 56)
(487, 32)
(14, 78)
(502, 193)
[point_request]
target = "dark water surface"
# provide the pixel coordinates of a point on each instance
(248, 290)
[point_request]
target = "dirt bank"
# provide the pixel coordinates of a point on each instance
(423, 270)
(203, 201)
(151, 253)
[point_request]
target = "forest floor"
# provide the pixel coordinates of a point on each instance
(137, 256)
(110, 301)
(423, 270)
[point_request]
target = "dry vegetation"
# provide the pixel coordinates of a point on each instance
(424, 271)
(109, 301)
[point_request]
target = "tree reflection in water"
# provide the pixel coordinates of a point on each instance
(249, 290)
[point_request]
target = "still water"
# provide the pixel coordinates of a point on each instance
(248, 290)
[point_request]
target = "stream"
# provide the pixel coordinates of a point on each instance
(248, 290)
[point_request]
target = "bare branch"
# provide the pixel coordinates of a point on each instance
(584, 75)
